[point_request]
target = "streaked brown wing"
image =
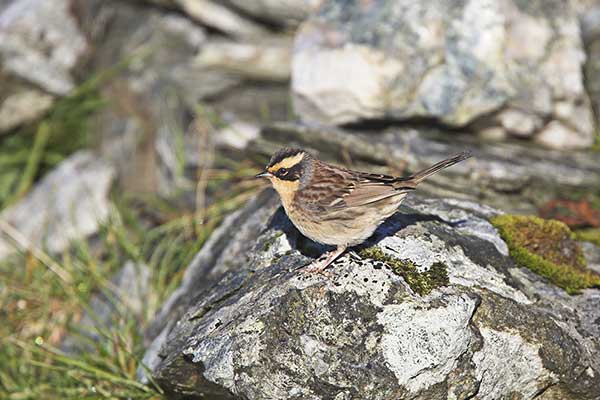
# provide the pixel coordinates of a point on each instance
(334, 189)
(367, 193)
(328, 187)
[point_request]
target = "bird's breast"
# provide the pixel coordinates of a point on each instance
(346, 226)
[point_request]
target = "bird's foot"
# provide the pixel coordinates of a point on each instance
(318, 266)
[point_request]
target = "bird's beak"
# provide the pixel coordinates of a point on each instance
(264, 174)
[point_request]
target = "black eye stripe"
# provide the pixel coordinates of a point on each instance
(289, 174)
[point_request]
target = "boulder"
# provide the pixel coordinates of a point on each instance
(510, 64)
(432, 307)
(69, 203)
(40, 45)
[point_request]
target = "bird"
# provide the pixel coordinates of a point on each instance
(336, 206)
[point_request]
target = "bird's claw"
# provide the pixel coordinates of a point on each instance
(316, 268)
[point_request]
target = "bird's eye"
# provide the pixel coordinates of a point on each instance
(283, 171)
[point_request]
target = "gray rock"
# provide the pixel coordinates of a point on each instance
(217, 16)
(237, 135)
(455, 62)
(265, 61)
(68, 204)
(280, 12)
(228, 15)
(22, 105)
(245, 323)
(40, 44)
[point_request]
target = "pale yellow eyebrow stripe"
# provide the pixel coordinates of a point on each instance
(287, 162)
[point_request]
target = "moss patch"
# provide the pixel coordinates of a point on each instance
(548, 248)
(269, 242)
(420, 282)
(589, 235)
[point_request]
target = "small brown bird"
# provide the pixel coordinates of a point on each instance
(337, 206)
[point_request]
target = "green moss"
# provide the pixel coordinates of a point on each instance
(269, 242)
(420, 282)
(548, 248)
(267, 245)
(589, 235)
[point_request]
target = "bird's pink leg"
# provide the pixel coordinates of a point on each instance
(323, 262)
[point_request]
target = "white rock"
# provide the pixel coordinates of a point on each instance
(23, 107)
(68, 204)
(264, 61)
(421, 343)
(508, 364)
(519, 123)
(492, 134)
(40, 42)
(237, 134)
(222, 18)
(557, 136)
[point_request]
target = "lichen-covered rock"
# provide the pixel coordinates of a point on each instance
(510, 64)
(40, 44)
(247, 323)
(69, 203)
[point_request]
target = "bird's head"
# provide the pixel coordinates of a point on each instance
(288, 169)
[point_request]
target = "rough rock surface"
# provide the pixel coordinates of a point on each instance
(246, 323)
(40, 44)
(456, 62)
(69, 203)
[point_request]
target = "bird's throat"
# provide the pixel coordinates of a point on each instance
(286, 190)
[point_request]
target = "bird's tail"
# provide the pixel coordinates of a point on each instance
(418, 177)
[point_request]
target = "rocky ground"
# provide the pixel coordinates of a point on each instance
(468, 322)
(130, 266)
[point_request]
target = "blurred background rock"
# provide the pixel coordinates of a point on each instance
(129, 129)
